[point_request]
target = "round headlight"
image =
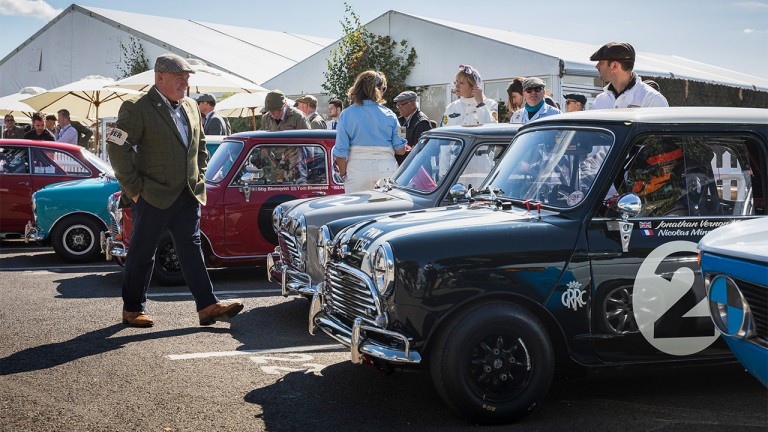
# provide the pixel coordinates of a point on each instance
(324, 245)
(277, 215)
(383, 266)
(730, 311)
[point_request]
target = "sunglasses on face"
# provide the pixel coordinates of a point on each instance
(534, 89)
(570, 101)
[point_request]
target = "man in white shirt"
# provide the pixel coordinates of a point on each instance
(615, 61)
(67, 133)
(334, 111)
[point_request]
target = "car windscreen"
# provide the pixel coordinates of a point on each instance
(429, 164)
(223, 160)
(99, 163)
(552, 166)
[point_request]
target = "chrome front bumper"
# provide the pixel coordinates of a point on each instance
(356, 337)
(291, 280)
(31, 233)
(112, 248)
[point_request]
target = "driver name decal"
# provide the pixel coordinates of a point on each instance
(681, 228)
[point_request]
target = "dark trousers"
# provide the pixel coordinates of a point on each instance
(182, 218)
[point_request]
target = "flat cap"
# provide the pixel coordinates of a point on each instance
(577, 97)
(172, 63)
(207, 97)
(614, 51)
(533, 82)
(405, 96)
(274, 100)
(307, 99)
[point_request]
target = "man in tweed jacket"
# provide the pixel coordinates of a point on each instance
(157, 150)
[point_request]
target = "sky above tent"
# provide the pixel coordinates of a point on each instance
(730, 34)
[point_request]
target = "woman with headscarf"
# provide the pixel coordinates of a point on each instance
(366, 135)
(472, 107)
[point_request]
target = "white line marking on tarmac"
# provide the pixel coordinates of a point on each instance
(308, 348)
(180, 294)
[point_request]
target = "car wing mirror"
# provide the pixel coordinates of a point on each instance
(458, 192)
(250, 176)
(629, 205)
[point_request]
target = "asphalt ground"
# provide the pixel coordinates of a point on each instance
(68, 364)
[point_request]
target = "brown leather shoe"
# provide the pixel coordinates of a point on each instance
(221, 311)
(137, 319)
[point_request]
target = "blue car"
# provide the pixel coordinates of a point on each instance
(734, 262)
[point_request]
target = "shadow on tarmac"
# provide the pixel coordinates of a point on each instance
(88, 344)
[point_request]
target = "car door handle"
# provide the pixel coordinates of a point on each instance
(321, 193)
(24, 183)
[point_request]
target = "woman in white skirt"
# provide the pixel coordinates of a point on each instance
(366, 135)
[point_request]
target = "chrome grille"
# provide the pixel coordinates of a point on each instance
(349, 294)
(289, 248)
(114, 230)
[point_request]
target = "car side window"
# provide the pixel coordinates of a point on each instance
(14, 160)
(480, 163)
(430, 162)
(54, 162)
(284, 165)
(695, 175)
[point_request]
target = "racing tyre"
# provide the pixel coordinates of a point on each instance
(493, 363)
(76, 238)
(167, 270)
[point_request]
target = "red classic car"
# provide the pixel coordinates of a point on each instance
(247, 177)
(26, 166)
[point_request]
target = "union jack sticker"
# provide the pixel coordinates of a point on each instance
(645, 225)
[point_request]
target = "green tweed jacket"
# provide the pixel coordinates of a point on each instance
(154, 162)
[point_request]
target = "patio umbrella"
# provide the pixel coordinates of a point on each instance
(206, 79)
(92, 97)
(244, 105)
(12, 104)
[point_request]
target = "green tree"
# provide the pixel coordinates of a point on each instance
(134, 59)
(360, 50)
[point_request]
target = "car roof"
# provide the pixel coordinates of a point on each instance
(490, 129)
(683, 115)
(302, 133)
(36, 143)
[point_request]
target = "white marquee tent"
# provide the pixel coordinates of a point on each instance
(500, 55)
(86, 41)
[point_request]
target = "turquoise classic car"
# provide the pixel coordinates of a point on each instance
(71, 215)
